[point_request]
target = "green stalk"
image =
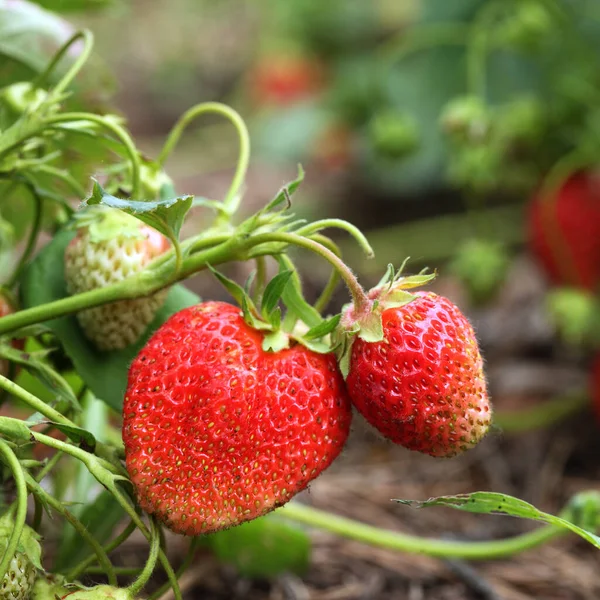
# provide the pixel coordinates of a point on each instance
(412, 544)
(223, 110)
(138, 585)
(84, 565)
(33, 232)
(88, 44)
(10, 459)
(101, 555)
(115, 129)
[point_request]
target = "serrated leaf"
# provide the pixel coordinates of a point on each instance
(34, 363)
(273, 292)
(502, 504)
(105, 373)
(165, 215)
(14, 429)
(264, 547)
(323, 329)
(76, 434)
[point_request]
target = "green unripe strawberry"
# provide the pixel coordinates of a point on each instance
(19, 579)
(111, 246)
(19, 98)
(393, 134)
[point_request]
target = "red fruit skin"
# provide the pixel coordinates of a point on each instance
(217, 431)
(422, 386)
(564, 232)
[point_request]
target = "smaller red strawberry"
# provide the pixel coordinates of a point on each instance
(282, 80)
(415, 371)
(218, 429)
(109, 247)
(564, 231)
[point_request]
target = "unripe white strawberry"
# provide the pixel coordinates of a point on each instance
(111, 246)
(19, 579)
(55, 588)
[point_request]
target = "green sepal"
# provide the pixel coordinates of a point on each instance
(273, 292)
(237, 292)
(103, 223)
(294, 300)
(275, 341)
(165, 215)
(322, 329)
(371, 328)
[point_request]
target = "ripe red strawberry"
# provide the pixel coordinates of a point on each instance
(111, 246)
(564, 232)
(217, 431)
(282, 80)
(422, 385)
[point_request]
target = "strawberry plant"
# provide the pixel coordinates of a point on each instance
(161, 410)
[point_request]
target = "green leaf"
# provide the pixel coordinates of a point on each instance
(164, 215)
(35, 364)
(105, 373)
(501, 504)
(323, 329)
(264, 547)
(273, 292)
(68, 6)
(76, 434)
(15, 429)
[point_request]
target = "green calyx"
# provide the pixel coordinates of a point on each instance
(366, 323)
(28, 542)
(103, 223)
(301, 323)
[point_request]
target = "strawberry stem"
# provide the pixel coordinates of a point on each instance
(88, 43)
(359, 296)
(11, 460)
(231, 198)
(114, 128)
(138, 585)
(384, 538)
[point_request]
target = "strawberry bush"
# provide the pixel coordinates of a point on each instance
(132, 405)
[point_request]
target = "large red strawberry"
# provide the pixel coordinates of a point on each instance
(217, 431)
(564, 231)
(415, 372)
(109, 247)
